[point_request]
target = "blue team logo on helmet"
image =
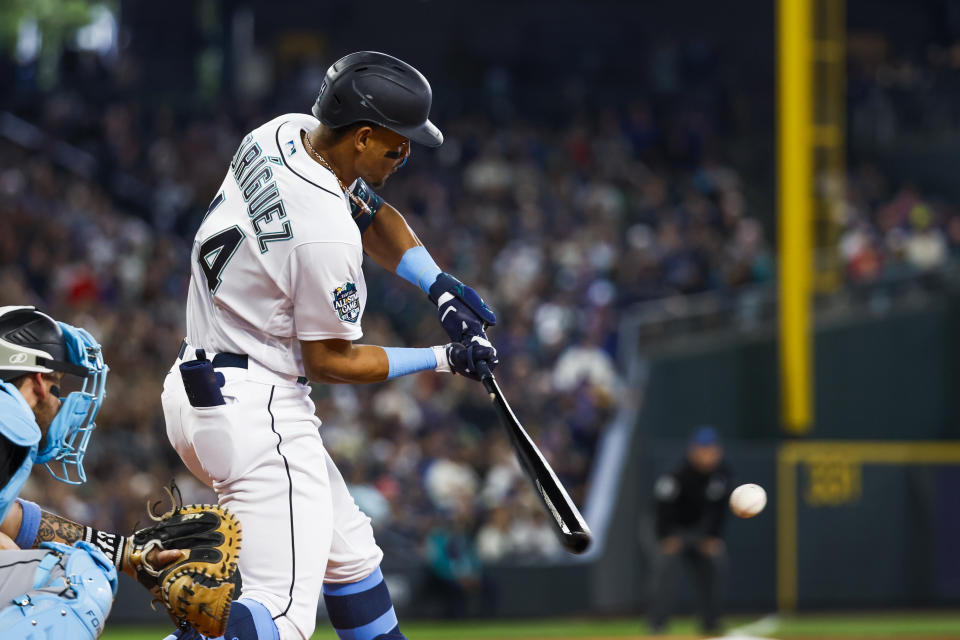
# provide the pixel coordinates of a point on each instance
(346, 300)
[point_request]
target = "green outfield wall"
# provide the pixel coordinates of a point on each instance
(892, 376)
(861, 531)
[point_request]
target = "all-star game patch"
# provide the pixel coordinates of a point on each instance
(346, 300)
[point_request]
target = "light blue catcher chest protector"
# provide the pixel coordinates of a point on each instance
(17, 425)
(86, 582)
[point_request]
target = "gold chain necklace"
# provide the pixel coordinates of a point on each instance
(357, 201)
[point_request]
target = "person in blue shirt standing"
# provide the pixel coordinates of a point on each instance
(64, 587)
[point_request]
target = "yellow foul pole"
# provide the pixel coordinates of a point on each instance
(795, 193)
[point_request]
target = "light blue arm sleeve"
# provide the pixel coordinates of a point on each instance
(406, 360)
(418, 267)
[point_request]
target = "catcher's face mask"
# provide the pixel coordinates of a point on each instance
(63, 448)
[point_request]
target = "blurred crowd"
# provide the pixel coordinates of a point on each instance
(893, 231)
(901, 96)
(560, 227)
(903, 88)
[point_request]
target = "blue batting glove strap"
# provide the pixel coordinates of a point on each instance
(463, 358)
(418, 267)
(462, 312)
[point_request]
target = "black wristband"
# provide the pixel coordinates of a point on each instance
(111, 544)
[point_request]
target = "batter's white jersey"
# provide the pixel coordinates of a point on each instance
(278, 256)
(276, 260)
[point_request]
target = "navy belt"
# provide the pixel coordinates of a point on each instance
(236, 360)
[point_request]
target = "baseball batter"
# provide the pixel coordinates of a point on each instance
(276, 298)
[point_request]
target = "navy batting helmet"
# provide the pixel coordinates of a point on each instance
(368, 86)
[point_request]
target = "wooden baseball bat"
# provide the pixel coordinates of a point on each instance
(573, 532)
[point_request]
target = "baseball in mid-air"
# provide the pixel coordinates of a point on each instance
(748, 500)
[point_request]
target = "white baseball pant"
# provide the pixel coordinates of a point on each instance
(262, 454)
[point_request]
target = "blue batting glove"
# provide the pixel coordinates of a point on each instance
(462, 312)
(463, 358)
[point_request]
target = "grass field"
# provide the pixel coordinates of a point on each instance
(892, 626)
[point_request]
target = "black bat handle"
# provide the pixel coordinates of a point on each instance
(489, 382)
(486, 376)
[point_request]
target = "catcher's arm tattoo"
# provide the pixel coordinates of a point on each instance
(54, 528)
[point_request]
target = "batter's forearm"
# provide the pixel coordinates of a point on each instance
(355, 364)
(342, 362)
(388, 238)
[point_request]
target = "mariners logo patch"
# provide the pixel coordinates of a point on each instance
(346, 300)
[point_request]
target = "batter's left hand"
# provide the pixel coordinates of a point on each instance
(462, 312)
(463, 358)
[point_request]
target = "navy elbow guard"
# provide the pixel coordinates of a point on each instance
(364, 204)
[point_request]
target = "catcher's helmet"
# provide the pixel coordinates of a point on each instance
(368, 86)
(31, 341)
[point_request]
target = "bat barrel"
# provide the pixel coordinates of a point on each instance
(577, 541)
(572, 530)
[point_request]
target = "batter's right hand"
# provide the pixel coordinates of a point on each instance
(463, 358)
(462, 312)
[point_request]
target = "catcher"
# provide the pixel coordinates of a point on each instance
(65, 587)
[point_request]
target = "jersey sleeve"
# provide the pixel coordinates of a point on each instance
(327, 289)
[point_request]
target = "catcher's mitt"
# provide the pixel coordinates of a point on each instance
(196, 589)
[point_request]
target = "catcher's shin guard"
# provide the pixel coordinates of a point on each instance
(362, 610)
(86, 582)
